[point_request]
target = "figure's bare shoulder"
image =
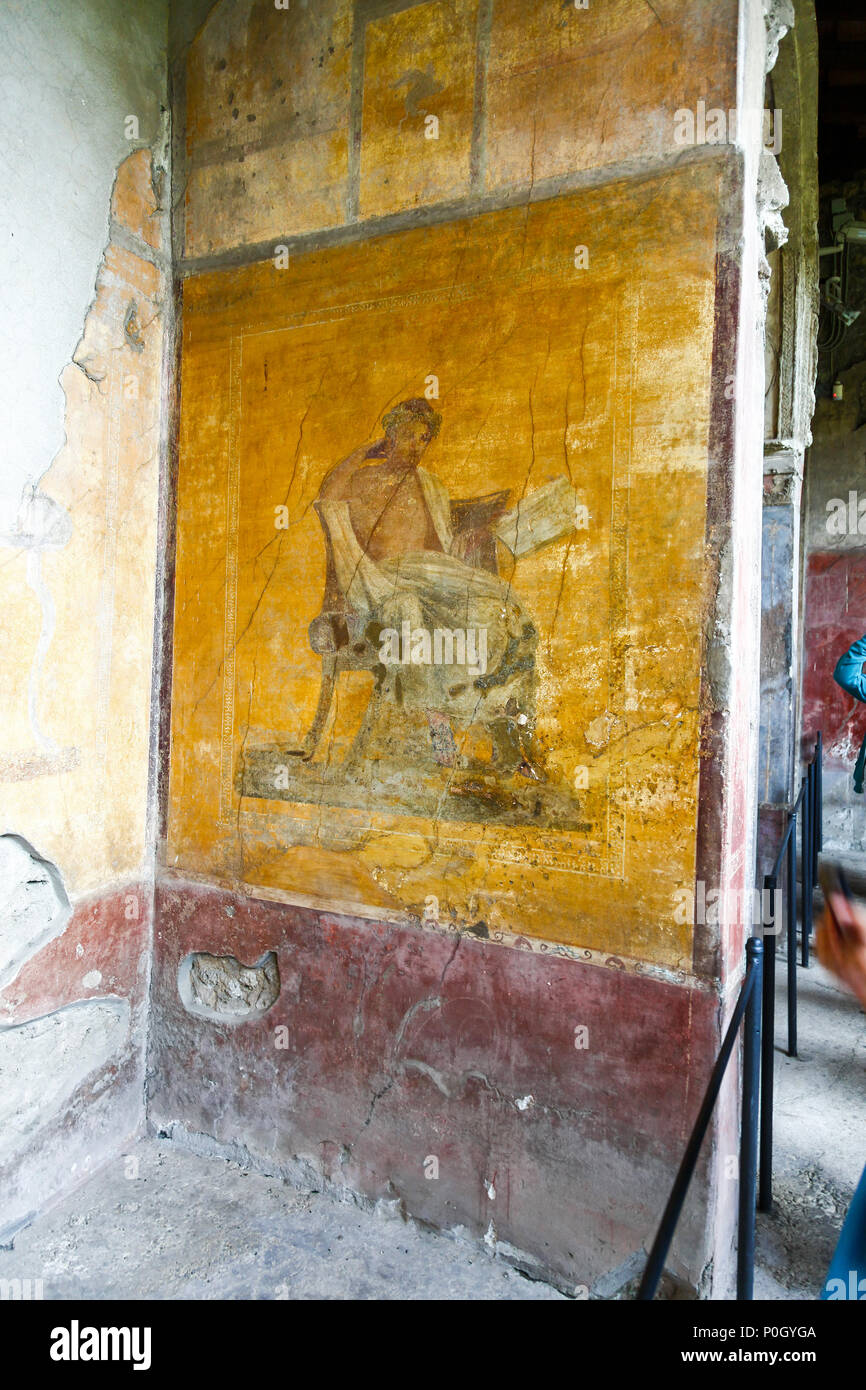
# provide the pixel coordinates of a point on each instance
(366, 481)
(338, 483)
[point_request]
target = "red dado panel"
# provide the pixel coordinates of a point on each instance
(835, 616)
(104, 945)
(402, 1044)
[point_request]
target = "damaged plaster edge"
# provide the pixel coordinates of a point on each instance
(132, 886)
(128, 241)
(159, 153)
(117, 1004)
(61, 527)
(56, 924)
(158, 149)
(173, 880)
(51, 868)
(116, 235)
(305, 1175)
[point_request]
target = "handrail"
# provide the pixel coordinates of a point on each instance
(787, 835)
(747, 1004)
(808, 807)
(755, 1004)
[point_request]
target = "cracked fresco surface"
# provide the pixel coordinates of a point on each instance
(78, 573)
(548, 375)
(311, 116)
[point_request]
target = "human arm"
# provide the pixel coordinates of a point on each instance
(842, 943)
(336, 478)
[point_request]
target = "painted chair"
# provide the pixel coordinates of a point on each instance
(342, 637)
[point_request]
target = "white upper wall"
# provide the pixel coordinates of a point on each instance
(72, 74)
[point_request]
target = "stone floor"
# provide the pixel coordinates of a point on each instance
(163, 1223)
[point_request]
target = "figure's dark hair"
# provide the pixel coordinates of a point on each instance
(415, 409)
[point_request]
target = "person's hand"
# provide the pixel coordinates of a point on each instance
(842, 943)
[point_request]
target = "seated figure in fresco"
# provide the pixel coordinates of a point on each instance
(417, 573)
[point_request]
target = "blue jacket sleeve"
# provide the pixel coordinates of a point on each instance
(849, 670)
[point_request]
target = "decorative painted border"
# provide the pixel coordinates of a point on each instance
(535, 945)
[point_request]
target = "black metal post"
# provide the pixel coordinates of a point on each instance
(768, 1042)
(749, 1126)
(806, 857)
(792, 937)
(819, 798)
(815, 813)
(664, 1235)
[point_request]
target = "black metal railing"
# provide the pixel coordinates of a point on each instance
(808, 809)
(755, 1009)
(748, 1007)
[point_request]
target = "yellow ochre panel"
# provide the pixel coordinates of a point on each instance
(439, 602)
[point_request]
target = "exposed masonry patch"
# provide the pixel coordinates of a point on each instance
(222, 989)
(34, 908)
(132, 328)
